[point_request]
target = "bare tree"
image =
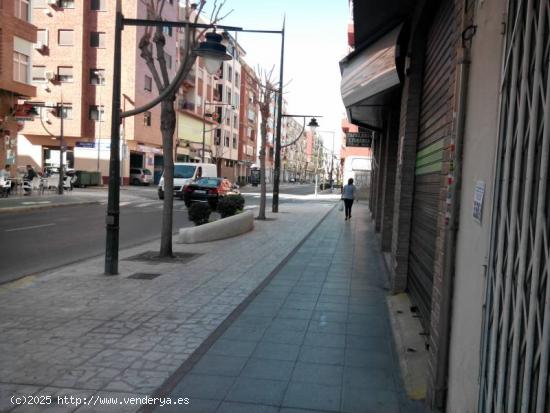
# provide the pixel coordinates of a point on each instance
(266, 88)
(152, 45)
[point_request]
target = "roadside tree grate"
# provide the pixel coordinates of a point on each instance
(144, 276)
(152, 257)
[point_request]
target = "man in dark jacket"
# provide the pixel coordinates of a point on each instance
(29, 176)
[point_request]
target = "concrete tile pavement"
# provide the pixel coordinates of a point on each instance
(316, 338)
(74, 331)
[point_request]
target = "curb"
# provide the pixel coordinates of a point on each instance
(171, 382)
(48, 206)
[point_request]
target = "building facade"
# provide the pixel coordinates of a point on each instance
(72, 68)
(458, 92)
(17, 39)
(293, 153)
(248, 123)
(225, 150)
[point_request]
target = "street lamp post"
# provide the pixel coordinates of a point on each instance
(60, 109)
(101, 79)
(313, 125)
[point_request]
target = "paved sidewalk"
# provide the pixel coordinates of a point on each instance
(76, 332)
(317, 338)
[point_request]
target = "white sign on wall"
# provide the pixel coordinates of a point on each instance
(479, 192)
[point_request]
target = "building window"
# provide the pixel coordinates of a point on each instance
(20, 67)
(237, 79)
(226, 141)
(65, 74)
(167, 30)
(22, 10)
(42, 36)
(218, 138)
(38, 74)
(97, 113)
(97, 39)
(97, 77)
(229, 74)
(66, 4)
(148, 85)
(98, 5)
(234, 141)
(168, 59)
(65, 111)
(147, 118)
(65, 37)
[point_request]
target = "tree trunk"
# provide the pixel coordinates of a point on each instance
(167, 127)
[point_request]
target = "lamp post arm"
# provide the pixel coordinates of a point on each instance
(299, 136)
(42, 123)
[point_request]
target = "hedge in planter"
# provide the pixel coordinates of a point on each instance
(229, 205)
(199, 213)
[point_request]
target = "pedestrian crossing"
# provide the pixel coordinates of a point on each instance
(156, 204)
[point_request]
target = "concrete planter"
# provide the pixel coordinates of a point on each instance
(220, 229)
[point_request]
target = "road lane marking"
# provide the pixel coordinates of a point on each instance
(26, 228)
(36, 202)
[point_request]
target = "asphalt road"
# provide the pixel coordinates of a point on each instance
(39, 240)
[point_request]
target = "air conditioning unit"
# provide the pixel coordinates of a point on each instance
(39, 45)
(50, 75)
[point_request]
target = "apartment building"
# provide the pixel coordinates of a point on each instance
(72, 71)
(248, 122)
(294, 155)
(17, 36)
(195, 109)
(225, 150)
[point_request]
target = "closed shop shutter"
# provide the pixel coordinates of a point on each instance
(516, 326)
(434, 131)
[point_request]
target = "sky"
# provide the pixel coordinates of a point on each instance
(315, 41)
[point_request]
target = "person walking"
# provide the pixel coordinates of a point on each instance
(349, 194)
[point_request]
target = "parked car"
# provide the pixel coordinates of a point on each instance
(208, 190)
(140, 176)
(292, 180)
(184, 174)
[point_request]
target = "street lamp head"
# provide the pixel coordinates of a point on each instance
(213, 52)
(313, 124)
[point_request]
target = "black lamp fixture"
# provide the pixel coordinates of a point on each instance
(313, 123)
(213, 52)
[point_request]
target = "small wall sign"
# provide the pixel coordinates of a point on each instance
(479, 193)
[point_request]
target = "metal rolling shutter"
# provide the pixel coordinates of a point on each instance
(516, 326)
(434, 127)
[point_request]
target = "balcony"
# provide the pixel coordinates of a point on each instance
(191, 78)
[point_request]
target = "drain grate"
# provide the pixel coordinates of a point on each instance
(144, 276)
(152, 257)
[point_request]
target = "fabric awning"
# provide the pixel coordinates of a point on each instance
(368, 77)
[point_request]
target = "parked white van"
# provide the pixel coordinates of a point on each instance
(185, 173)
